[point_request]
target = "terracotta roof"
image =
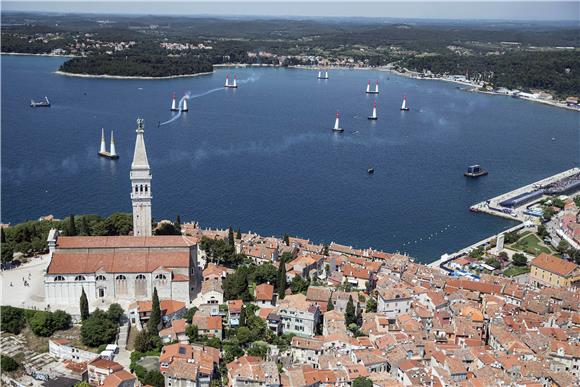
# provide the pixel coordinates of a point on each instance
(264, 292)
(318, 293)
(554, 264)
(116, 261)
(182, 369)
(116, 378)
(76, 242)
(106, 364)
(167, 306)
(235, 306)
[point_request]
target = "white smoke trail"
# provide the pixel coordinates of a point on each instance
(189, 97)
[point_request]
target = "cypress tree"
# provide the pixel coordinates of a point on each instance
(286, 239)
(243, 316)
(238, 234)
(72, 227)
(155, 318)
(84, 229)
(330, 304)
(2, 236)
(282, 278)
(178, 221)
(231, 240)
(84, 306)
(350, 312)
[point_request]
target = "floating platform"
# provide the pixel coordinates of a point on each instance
(475, 171)
(108, 155)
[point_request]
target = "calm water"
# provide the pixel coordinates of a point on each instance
(263, 156)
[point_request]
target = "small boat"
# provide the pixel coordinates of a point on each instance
(374, 115)
(475, 171)
(45, 103)
(337, 127)
(375, 91)
(184, 107)
(404, 105)
(371, 170)
(174, 107)
(234, 84)
(103, 151)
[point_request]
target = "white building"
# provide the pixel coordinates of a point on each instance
(123, 269)
(298, 315)
(393, 302)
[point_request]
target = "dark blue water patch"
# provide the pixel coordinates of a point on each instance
(263, 156)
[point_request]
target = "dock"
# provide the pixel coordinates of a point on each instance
(520, 197)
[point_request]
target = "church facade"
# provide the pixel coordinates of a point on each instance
(124, 269)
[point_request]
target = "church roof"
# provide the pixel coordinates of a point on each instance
(116, 261)
(79, 242)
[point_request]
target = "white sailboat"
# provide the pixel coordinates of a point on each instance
(234, 84)
(337, 127)
(404, 105)
(184, 107)
(174, 107)
(374, 115)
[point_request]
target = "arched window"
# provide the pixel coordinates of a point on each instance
(121, 277)
(141, 188)
(136, 188)
(141, 277)
(80, 278)
(101, 278)
(58, 278)
(146, 188)
(160, 277)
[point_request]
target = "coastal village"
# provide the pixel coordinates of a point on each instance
(207, 307)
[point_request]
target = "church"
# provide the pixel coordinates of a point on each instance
(123, 269)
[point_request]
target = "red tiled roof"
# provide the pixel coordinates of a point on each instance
(116, 261)
(166, 306)
(264, 292)
(106, 364)
(554, 264)
(116, 378)
(77, 242)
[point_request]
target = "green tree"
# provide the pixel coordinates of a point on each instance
(286, 239)
(232, 351)
(548, 213)
(154, 378)
(192, 332)
(155, 317)
(542, 232)
(7, 252)
(84, 306)
(8, 364)
(577, 201)
(42, 324)
(244, 335)
(350, 312)
(61, 320)
(259, 349)
(178, 222)
(519, 259)
(281, 280)
(563, 246)
(238, 234)
(2, 236)
(493, 263)
(265, 273)
(167, 228)
(330, 304)
(371, 305)
(84, 229)
(115, 312)
(235, 285)
(362, 382)
(98, 330)
(231, 241)
(325, 249)
(12, 320)
(189, 314)
(72, 227)
(82, 384)
(145, 342)
(298, 285)
(243, 316)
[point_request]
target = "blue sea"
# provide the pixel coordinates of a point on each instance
(263, 157)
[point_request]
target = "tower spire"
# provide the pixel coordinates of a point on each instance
(141, 185)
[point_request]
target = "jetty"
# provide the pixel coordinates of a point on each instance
(512, 205)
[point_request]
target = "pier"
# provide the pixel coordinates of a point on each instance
(528, 194)
(520, 197)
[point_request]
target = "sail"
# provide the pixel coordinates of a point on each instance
(113, 149)
(103, 145)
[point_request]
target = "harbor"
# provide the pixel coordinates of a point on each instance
(521, 198)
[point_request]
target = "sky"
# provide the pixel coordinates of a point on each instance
(550, 10)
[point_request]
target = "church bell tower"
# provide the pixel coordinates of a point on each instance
(141, 186)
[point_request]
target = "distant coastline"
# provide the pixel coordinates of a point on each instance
(105, 76)
(30, 54)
